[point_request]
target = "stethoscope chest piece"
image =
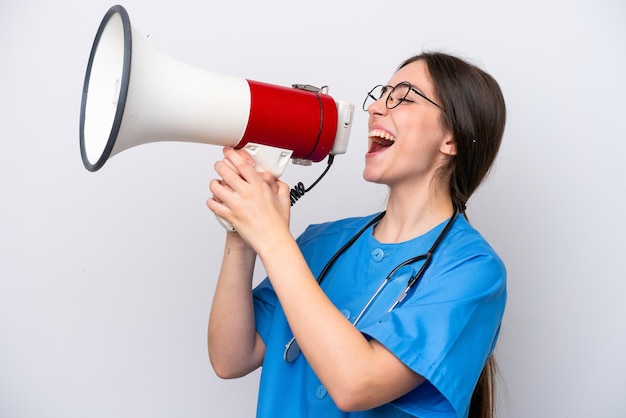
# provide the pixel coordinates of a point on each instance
(292, 351)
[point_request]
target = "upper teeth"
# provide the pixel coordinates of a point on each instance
(379, 133)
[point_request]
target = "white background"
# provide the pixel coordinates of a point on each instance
(106, 278)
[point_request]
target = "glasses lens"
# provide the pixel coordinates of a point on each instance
(395, 95)
(398, 94)
(374, 94)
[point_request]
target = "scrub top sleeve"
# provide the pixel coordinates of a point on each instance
(265, 302)
(446, 330)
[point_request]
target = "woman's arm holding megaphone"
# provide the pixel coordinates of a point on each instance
(358, 373)
(235, 348)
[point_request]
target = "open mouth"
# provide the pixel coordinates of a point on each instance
(380, 140)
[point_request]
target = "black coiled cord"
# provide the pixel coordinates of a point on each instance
(299, 189)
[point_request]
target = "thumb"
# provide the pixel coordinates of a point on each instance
(283, 192)
(284, 197)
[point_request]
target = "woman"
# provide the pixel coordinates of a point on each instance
(434, 132)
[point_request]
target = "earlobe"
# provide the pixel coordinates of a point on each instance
(449, 146)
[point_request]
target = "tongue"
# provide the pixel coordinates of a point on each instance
(380, 144)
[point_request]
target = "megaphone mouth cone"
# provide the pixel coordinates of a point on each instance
(105, 88)
(168, 100)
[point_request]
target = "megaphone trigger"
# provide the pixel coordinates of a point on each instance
(267, 158)
(227, 225)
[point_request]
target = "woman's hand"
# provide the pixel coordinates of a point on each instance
(255, 203)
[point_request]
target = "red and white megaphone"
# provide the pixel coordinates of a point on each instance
(134, 95)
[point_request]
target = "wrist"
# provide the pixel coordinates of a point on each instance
(278, 243)
(235, 244)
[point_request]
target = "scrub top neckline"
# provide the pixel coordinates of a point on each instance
(417, 241)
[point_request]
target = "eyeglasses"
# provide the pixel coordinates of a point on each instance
(395, 95)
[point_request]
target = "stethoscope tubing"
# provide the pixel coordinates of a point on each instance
(292, 350)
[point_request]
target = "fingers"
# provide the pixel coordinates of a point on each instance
(215, 203)
(239, 161)
(231, 166)
(270, 180)
(237, 184)
(243, 196)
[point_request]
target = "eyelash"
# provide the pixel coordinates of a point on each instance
(404, 100)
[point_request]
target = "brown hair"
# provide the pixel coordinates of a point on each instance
(483, 400)
(475, 113)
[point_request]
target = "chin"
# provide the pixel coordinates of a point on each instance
(371, 177)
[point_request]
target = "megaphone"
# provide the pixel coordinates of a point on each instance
(133, 95)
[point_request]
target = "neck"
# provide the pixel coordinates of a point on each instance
(410, 215)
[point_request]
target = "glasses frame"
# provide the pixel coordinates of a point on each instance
(410, 88)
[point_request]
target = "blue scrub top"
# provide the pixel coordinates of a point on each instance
(444, 330)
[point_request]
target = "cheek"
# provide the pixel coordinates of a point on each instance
(425, 135)
(419, 153)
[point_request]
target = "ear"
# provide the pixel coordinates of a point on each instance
(448, 146)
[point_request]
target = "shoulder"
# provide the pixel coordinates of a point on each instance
(467, 256)
(466, 241)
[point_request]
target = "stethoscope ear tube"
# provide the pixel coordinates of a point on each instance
(347, 245)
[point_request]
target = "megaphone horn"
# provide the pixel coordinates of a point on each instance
(134, 95)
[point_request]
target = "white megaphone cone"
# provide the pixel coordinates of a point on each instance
(134, 95)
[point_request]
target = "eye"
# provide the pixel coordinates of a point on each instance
(400, 94)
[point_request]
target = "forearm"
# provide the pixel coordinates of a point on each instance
(233, 344)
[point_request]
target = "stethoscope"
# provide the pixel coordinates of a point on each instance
(292, 350)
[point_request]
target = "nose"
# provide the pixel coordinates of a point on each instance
(378, 107)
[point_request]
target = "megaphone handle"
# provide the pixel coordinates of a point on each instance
(229, 227)
(266, 158)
